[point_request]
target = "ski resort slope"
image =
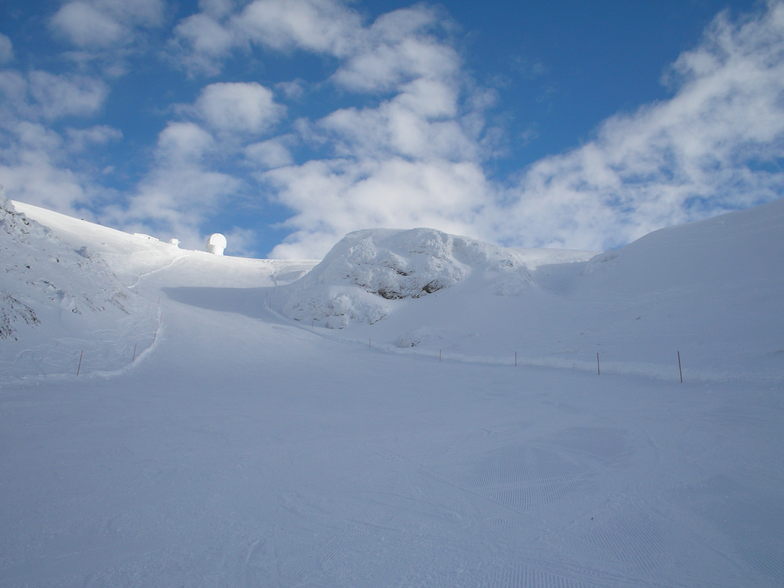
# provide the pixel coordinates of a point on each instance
(712, 292)
(247, 449)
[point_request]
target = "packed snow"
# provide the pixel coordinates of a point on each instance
(362, 422)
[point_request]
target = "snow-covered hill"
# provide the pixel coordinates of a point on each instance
(248, 449)
(362, 277)
(69, 295)
(58, 302)
(711, 291)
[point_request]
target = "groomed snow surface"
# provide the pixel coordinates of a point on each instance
(364, 423)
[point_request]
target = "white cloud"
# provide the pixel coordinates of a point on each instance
(42, 94)
(321, 26)
(412, 155)
(217, 7)
(238, 107)
(98, 24)
(334, 197)
(409, 160)
(66, 95)
(268, 154)
(392, 129)
(34, 158)
(415, 159)
(421, 122)
(187, 182)
(202, 43)
(180, 190)
(175, 200)
(400, 46)
(85, 26)
(82, 139)
(685, 158)
(6, 49)
(36, 179)
(183, 142)
(33, 167)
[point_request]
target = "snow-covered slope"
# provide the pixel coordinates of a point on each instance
(247, 449)
(711, 291)
(362, 277)
(58, 302)
(69, 295)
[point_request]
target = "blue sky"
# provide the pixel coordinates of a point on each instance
(287, 123)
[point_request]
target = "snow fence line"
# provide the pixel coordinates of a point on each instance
(597, 364)
(617, 368)
(82, 360)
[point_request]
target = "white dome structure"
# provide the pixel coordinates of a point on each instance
(216, 243)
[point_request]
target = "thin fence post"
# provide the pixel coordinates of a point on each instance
(515, 358)
(598, 366)
(370, 342)
(134, 353)
(680, 368)
(439, 355)
(79, 367)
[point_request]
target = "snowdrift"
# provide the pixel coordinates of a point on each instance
(57, 302)
(366, 275)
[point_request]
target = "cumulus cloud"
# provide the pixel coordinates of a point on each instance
(238, 107)
(180, 190)
(410, 145)
(33, 177)
(416, 158)
(204, 40)
(34, 167)
(399, 47)
(103, 23)
(715, 145)
(201, 42)
(411, 125)
(34, 157)
(268, 154)
(186, 183)
(51, 96)
(337, 196)
(183, 142)
(66, 95)
(409, 155)
(321, 26)
(409, 159)
(86, 26)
